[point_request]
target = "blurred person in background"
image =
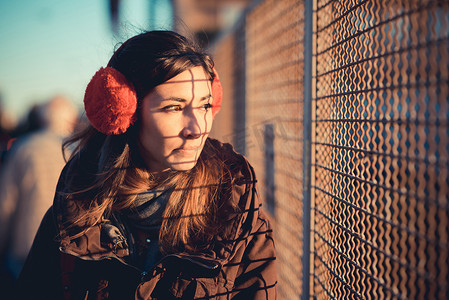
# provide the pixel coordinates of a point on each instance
(29, 176)
(4, 138)
(6, 126)
(32, 122)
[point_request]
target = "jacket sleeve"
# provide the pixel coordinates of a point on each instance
(257, 275)
(41, 275)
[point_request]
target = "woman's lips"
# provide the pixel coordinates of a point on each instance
(188, 149)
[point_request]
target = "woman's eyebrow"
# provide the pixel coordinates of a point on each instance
(207, 97)
(177, 99)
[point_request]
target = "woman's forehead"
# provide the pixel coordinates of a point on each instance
(191, 80)
(195, 74)
(192, 84)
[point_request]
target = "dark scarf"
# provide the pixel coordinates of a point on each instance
(146, 214)
(147, 210)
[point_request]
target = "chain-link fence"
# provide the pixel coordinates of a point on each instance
(343, 109)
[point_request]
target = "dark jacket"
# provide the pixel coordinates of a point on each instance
(96, 266)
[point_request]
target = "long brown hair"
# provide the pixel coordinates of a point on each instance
(191, 216)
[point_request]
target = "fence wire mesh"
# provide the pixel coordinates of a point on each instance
(380, 141)
(381, 144)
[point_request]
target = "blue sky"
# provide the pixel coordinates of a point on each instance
(50, 47)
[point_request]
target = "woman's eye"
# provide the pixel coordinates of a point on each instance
(206, 106)
(172, 108)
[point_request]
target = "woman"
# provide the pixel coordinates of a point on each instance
(149, 207)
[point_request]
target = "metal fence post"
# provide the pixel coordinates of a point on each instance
(307, 127)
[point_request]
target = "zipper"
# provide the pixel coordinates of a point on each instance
(123, 227)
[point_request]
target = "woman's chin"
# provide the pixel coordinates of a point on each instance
(182, 166)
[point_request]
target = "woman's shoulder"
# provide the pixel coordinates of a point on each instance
(238, 165)
(79, 172)
(77, 175)
(243, 188)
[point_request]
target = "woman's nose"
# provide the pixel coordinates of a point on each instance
(192, 128)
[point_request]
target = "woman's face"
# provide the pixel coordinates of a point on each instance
(176, 120)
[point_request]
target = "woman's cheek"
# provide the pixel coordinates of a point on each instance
(209, 121)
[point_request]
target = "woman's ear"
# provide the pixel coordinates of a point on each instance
(217, 93)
